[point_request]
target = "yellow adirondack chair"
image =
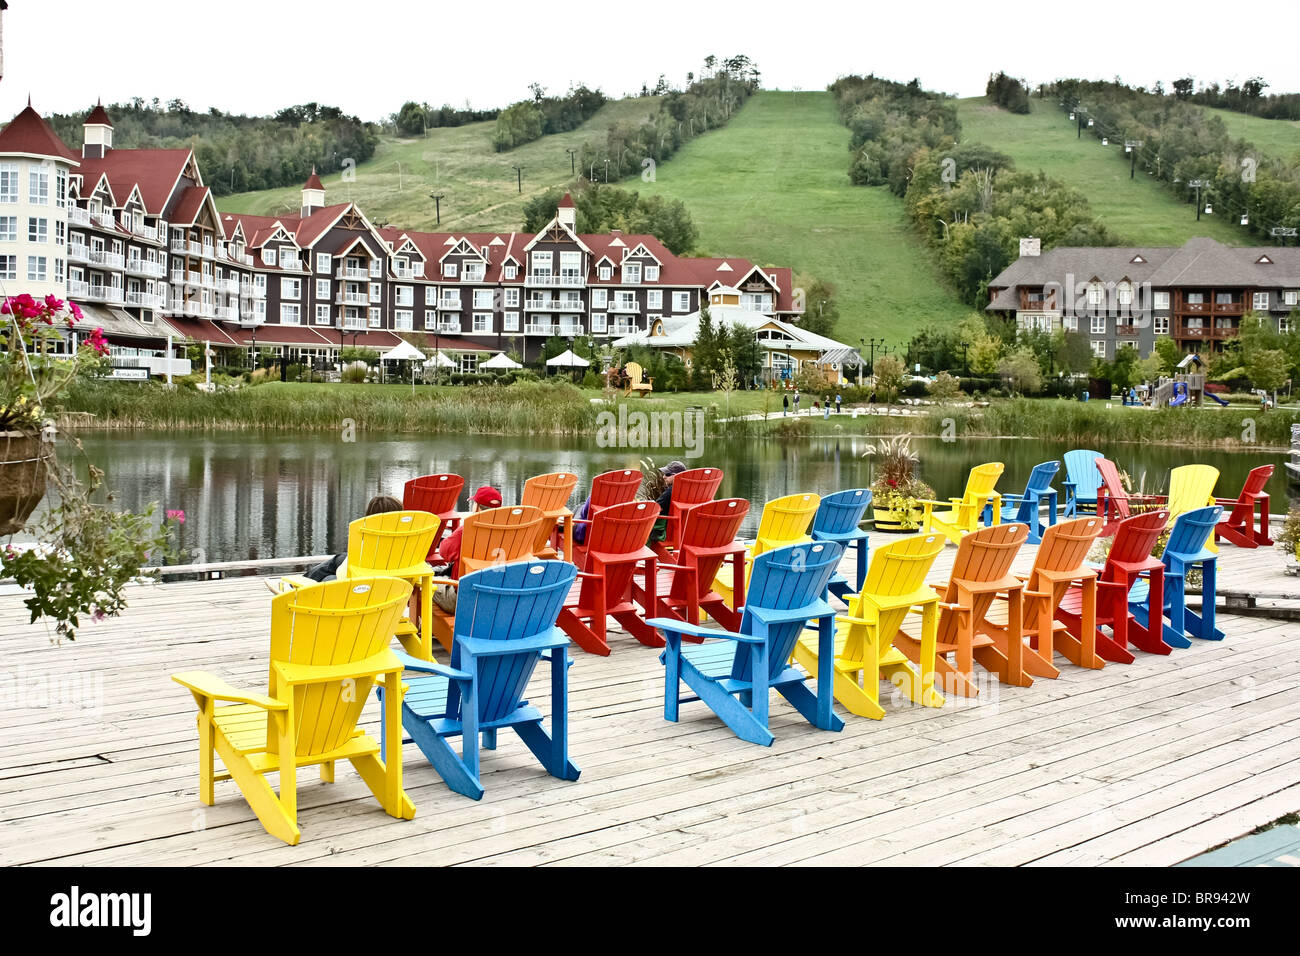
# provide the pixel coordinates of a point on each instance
(329, 644)
(635, 374)
(864, 650)
(395, 545)
(1192, 487)
(785, 521)
(962, 515)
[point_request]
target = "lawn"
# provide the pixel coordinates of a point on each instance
(480, 188)
(1139, 211)
(773, 186)
(1277, 138)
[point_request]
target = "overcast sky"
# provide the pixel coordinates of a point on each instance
(368, 56)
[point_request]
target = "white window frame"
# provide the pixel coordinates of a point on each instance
(481, 322)
(404, 319)
(375, 317)
(1161, 300)
(376, 268)
(1097, 325)
(1099, 348)
(510, 271)
(8, 228)
(1259, 302)
(376, 292)
(37, 268)
(9, 267)
(323, 313)
(681, 302)
(404, 295)
(431, 295)
(288, 257)
(1160, 325)
(323, 262)
(1096, 294)
(604, 273)
(632, 273)
(290, 313)
(38, 229)
(290, 288)
(322, 288)
(651, 273)
(482, 299)
(655, 299)
(510, 322)
(450, 270)
(598, 322)
(511, 299)
(9, 183)
(38, 185)
(1291, 297)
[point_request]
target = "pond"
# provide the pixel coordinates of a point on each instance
(258, 495)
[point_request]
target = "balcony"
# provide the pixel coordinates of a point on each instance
(193, 248)
(178, 276)
(78, 288)
(550, 280)
(624, 306)
(178, 245)
(149, 233)
(452, 305)
(78, 216)
(105, 220)
(251, 290)
(541, 328)
(1126, 330)
(227, 314)
(350, 272)
(109, 260)
(105, 293)
(144, 300)
(623, 328)
(209, 251)
(1229, 308)
(447, 325)
(230, 286)
(194, 278)
(156, 364)
(351, 298)
(408, 272)
(208, 281)
(1038, 301)
(77, 252)
(1193, 332)
(138, 267)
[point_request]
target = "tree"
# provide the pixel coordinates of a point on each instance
(890, 373)
(1073, 351)
(820, 311)
(1123, 372)
(945, 388)
(411, 119)
(707, 356)
(1183, 88)
(1019, 369)
(1267, 368)
(982, 349)
(1152, 367)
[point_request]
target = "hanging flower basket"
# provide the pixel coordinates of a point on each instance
(24, 460)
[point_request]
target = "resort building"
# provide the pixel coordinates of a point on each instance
(783, 348)
(1195, 294)
(136, 238)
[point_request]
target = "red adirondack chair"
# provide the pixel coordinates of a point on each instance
(1129, 558)
(1115, 504)
(685, 586)
(436, 494)
(1238, 525)
(690, 489)
(607, 489)
(616, 552)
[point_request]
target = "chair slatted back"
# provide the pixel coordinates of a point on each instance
(841, 512)
(1117, 507)
(634, 373)
(696, 486)
(980, 483)
(548, 493)
(1243, 512)
(984, 556)
(616, 542)
(1064, 549)
(338, 622)
(1190, 487)
(505, 603)
(785, 579)
(896, 570)
(1191, 530)
(614, 488)
(390, 542)
(498, 535)
(1134, 540)
(785, 521)
(436, 494)
(1081, 469)
(709, 533)
(1040, 481)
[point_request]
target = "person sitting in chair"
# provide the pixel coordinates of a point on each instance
(445, 595)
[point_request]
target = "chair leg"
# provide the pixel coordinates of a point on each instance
(276, 818)
(672, 659)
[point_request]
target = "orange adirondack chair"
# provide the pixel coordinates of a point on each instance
(436, 494)
(1238, 525)
(616, 551)
(690, 489)
(685, 586)
(981, 570)
(1061, 563)
(492, 537)
(1129, 558)
(550, 494)
(607, 489)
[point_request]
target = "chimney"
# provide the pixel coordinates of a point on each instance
(313, 194)
(1031, 246)
(98, 130)
(567, 213)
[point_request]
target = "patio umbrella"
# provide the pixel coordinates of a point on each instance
(500, 360)
(567, 359)
(439, 360)
(404, 351)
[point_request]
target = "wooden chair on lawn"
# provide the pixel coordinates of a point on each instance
(396, 544)
(1060, 564)
(1186, 548)
(550, 494)
(637, 380)
(329, 644)
(962, 515)
(684, 588)
(838, 518)
(492, 537)
(616, 553)
(1192, 487)
(607, 489)
(1081, 481)
(981, 570)
(864, 651)
(690, 489)
(784, 521)
(1027, 508)
(1129, 559)
(436, 494)
(1239, 526)
(504, 626)
(735, 673)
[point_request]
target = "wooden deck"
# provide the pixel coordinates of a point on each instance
(1144, 764)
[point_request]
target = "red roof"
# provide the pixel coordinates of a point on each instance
(200, 330)
(154, 170)
(98, 117)
(188, 207)
(567, 202)
(29, 133)
(313, 181)
(314, 226)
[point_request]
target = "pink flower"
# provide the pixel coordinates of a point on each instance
(97, 615)
(76, 312)
(53, 304)
(97, 341)
(177, 516)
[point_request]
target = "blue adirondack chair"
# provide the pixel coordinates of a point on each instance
(837, 519)
(1082, 479)
(505, 624)
(1185, 549)
(1024, 509)
(735, 675)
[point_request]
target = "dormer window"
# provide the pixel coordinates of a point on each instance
(632, 272)
(450, 270)
(510, 271)
(268, 256)
(288, 258)
(605, 272)
(651, 273)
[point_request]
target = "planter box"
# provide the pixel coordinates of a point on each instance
(23, 472)
(891, 522)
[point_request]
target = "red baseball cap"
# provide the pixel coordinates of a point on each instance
(487, 497)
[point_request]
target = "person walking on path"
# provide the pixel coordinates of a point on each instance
(785, 405)
(826, 408)
(838, 400)
(796, 403)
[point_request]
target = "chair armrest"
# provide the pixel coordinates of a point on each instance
(430, 667)
(816, 609)
(450, 582)
(204, 684)
(292, 673)
(695, 630)
(483, 647)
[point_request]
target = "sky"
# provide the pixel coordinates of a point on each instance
(369, 56)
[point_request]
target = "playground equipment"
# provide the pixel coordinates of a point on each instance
(1186, 387)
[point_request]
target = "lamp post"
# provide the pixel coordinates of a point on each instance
(573, 161)
(1131, 146)
(1198, 185)
(519, 177)
(871, 369)
(253, 351)
(1078, 114)
(964, 366)
(437, 205)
